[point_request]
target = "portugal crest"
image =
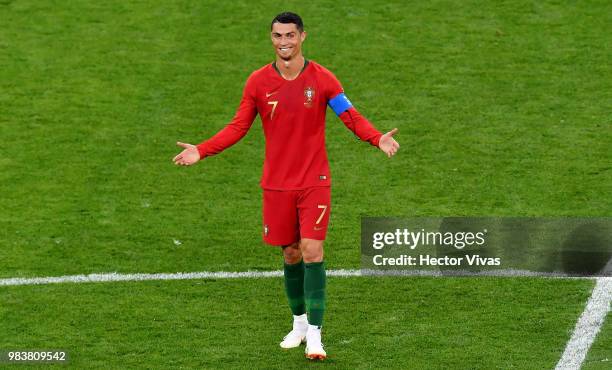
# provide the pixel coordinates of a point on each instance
(309, 94)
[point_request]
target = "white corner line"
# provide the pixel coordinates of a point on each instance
(588, 325)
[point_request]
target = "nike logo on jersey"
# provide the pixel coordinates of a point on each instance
(318, 228)
(270, 94)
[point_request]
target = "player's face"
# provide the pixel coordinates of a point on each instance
(287, 40)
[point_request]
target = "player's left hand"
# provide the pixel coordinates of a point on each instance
(388, 144)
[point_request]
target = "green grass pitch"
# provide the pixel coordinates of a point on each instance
(503, 110)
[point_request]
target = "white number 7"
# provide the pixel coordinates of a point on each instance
(324, 207)
(273, 103)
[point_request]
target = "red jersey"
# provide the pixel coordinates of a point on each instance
(293, 117)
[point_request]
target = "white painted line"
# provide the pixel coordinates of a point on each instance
(588, 325)
(114, 276)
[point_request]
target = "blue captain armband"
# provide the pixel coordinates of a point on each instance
(339, 104)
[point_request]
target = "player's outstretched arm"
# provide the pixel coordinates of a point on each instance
(188, 156)
(388, 144)
(228, 136)
(360, 126)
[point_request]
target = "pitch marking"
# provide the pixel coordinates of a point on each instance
(114, 276)
(588, 325)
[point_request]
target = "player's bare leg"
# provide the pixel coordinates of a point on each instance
(314, 295)
(312, 250)
(292, 253)
(294, 287)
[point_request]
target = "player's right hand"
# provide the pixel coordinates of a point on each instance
(188, 156)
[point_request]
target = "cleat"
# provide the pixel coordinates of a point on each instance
(315, 352)
(314, 347)
(296, 336)
(293, 339)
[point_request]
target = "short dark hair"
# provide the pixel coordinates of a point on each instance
(288, 17)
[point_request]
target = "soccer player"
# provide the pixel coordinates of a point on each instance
(291, 96)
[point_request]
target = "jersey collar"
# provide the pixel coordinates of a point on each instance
(281, 75)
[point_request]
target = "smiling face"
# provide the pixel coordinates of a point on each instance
(287, 40)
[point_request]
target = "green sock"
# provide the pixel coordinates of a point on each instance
(294, 287)
(314, 292)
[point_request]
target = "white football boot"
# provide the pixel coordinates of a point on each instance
(314, 347)
(296, 336)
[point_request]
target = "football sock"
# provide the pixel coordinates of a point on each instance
(301, 319)
(313, 334)
(314, 292)
(300, 322)
(294, 287)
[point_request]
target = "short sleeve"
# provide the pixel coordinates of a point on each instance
(333, 86)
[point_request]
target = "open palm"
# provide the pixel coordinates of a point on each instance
(188, 156)
(388, 144)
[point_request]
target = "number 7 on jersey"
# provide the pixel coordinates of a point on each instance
(324, 207)
(273, 104)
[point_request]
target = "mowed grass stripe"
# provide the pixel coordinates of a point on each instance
(502, 110)
(588, 326)
(383, 322)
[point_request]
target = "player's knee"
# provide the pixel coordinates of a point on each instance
(292, 253)
(312, 250)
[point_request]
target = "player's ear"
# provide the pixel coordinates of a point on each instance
(303, 35)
